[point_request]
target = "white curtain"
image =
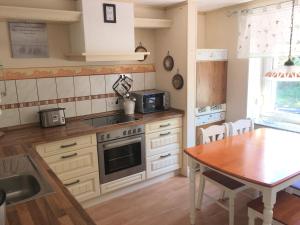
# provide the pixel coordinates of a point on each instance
(267, 33)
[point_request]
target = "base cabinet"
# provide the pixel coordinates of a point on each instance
(84, 187)
(163, 147)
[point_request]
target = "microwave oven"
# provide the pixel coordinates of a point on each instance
(151, 101)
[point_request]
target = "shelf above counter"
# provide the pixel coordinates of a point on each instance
(11, 13)
(106, 57)
(149, 23)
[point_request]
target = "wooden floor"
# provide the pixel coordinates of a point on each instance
(165, 203)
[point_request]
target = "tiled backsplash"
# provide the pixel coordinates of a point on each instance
(80, 95)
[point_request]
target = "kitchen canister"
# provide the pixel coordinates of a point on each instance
(129, 105)
(2, 207)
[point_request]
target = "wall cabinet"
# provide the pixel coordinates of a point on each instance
(163, 147)
(75, 162)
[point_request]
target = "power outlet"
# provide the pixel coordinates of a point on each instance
(113, 104)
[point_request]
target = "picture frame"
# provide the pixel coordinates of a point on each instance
(109, 13)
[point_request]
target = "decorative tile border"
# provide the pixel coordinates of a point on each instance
(56, 101)
(50, 72)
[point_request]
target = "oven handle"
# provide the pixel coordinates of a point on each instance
(122, 143)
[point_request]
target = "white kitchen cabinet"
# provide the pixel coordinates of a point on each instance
(163, 147)
(212, 55)
(75, 163)
(66, 145)
(84, 187)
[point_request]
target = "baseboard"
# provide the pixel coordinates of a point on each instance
(129, 189)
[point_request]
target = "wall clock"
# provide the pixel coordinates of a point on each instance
(109, 13)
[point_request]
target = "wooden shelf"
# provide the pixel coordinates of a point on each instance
(152, 23)
(37, 14)
(107, 57)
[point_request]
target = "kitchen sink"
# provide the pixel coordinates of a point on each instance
(21, 180)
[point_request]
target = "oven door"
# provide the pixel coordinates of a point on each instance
(121, 158)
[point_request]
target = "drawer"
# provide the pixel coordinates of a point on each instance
(84, 187)
(73, 164)
(123, 182)
(164, 163)
(163, 125)
(160, 142)
(66, 145)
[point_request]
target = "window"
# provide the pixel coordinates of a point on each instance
(278, 100)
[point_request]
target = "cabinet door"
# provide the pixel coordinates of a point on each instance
(163, 163)
(66, 145)
(160, 142)
(84, 187)
(211, 83)
(73, 164)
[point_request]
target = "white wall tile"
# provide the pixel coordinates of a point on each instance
(29, 114)
(11, 92)
(46, 88)
(98, 105)
(150, 80)
(110, 80)
(83, 107)
(97, 84)
(27, 90)
(82, 86)
(50, 106)
(9, 117)
(70, 108)
(111, 104)
(65, 87)
(138, 81)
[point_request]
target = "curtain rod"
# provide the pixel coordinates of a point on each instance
(259, 7)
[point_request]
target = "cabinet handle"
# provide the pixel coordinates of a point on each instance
(69, 156)
(165, 156)
(164, 125)
(69, 145)
(165, 134)
(72, 183)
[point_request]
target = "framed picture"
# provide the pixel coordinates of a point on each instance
(109, 13)
(28, 40)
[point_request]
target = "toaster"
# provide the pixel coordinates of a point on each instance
(52, 117)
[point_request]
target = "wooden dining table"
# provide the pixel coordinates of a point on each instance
(265, 159)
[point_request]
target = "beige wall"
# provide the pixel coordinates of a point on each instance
(59, 38)
(222, 32)
(201, 29)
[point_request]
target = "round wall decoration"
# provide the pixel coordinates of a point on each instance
(178, 81)
(141, 48)
(168, 62)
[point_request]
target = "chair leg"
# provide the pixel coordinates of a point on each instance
(231, 209)
(200, 192)
(223, 195)
(251, 217)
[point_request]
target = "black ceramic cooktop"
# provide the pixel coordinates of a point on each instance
(107, 120)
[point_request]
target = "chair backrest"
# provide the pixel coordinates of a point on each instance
(241, 126)
(213, 133)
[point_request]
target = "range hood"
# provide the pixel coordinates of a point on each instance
(94, 40)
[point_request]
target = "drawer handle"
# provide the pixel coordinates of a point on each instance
(69, 145)
(72, 183)
(164, 125)
(165, 134)
(165, 156)
(69, 156)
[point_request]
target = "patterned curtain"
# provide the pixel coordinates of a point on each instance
(267, 33)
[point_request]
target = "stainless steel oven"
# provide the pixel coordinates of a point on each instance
(121, 153)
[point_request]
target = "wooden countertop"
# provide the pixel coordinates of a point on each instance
(60, 207)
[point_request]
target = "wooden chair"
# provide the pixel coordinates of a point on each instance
(286, 210)
(241, 126)
(230, 186)
(294, 189)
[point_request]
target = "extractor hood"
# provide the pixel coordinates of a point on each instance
(92, 39)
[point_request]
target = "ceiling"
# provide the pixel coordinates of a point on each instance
(203, 5)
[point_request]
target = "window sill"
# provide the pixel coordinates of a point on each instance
(277, 125)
